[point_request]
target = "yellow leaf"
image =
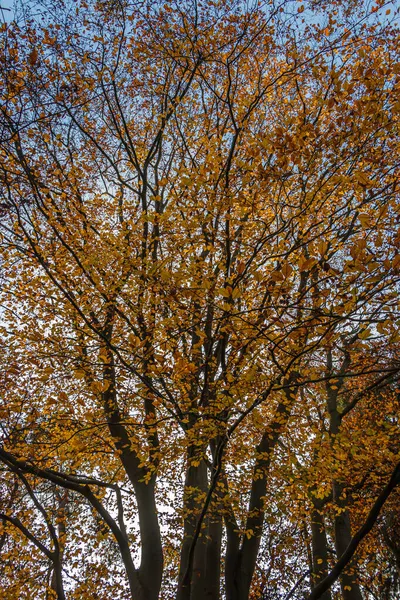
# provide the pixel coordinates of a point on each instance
(307, 264)
(96, 386)
(106, 385)
(396, 261)
(365, 220)
(362, 178)
(165, 275)
(277, 276)
(323, 247)
(287, 270)
(226, 292)
(133, 340)
(364, 335)
(32, 58)
(241, 266)
(381, 328)
(79, 374)
(395, 337)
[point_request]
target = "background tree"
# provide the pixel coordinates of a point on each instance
(200, 317)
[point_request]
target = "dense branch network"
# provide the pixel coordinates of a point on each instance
(199, 300)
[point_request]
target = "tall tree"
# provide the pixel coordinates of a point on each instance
(200, 320)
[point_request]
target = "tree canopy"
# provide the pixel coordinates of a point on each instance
(200, 325)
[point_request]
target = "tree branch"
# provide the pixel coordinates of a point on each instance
(348, 554)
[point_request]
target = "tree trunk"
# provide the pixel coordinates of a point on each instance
(57, 580)
(350, 589)
(213, 558)
(192, 569)
(247, 555)
(349, 586)
(151, 565)
(319, 550)
(231, 556)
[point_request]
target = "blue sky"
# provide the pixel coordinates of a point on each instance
(6, 14)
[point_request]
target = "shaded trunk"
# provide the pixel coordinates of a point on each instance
(248, 552)
(57, 580)
(151, 564)
(213, 558)
(192, 576)
(309, 555)
(319, 550)
(150, 571)
(231, 554)
(245, 563)
(220, 510)
(349, 586)
(350, 589)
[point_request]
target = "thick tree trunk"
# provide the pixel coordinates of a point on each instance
(57, 579)
(192, 572)
(231, 556)
(213, 558)
(249, 549)
(349, 586)
(319, 550)
(151, 565)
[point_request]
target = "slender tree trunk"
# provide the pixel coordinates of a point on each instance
(57, 578)
(247, 555)
(308, 546)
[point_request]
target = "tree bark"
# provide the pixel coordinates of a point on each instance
(151, 564)
(191, 584)
(349, 586)
(231, 555)
(358, 537)
(57, 580)
(319, 550)
(213, 558)
(248, 552)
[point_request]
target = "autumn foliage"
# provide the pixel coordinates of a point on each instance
(200, 270)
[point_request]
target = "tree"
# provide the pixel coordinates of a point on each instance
(200, 319)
